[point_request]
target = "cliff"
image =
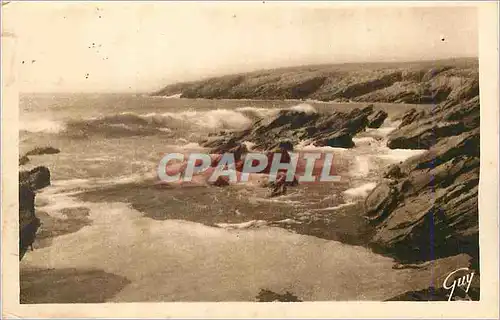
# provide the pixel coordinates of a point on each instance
(416, 82)
(427, 207)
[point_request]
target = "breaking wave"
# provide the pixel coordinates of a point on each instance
(131, 123)
(41, 126)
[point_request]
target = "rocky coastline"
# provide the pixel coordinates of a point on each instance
(423, 209)
(426, 207)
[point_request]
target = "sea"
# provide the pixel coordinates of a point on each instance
(112, 232)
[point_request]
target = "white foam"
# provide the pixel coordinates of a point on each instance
(259, 112)
(277, 200)
(249, 145)
(192, 146)
(218, 118)
(287, 221)
(360, 191)
(59, 185)
(364, 141)
(42, 125)
(243, 225)
(398, 155)
(308, 146)
(340, 206)
(214, 119)
(174, 96)
(362, 166)
(304, 107)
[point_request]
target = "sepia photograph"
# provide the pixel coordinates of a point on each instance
(247, 152)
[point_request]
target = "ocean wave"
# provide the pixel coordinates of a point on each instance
(306, 145)
(254, 112)
(132, 123)
(42, 126)
(243, 225)
(340, 206)
(304, 107)
(398, 155)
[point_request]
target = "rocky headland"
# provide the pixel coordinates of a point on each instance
(409, 82)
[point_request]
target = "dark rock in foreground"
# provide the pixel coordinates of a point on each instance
(270, 296)
(29, 182)
(334, 130)
(68, 285)
(427, 207)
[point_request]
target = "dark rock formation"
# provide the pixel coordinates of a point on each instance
(394, 171)
(36, 178)
(446, 120)
(29, 182)
(377, 119)
(411, 116)
(291, 127)
(23, 160)
(221, 181)
(428, 207)
(42, 150)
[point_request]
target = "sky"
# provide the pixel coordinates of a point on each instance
(143, 46)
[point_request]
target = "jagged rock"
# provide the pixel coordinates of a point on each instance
(23, 160)
(339, 139)
(221, 181)
(377, 119)
(436, 208)
(423, 135)
(29, 182)
(410, 116)
(436, 203)
(451, 118)
(42, 150)
(36, 178)
(28, 221)
(291, 127)
(380, 201)
(394, 171)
